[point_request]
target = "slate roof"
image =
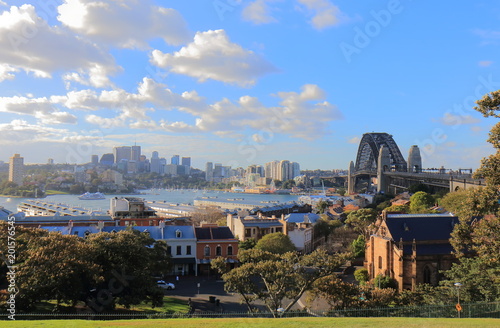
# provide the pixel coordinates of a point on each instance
(302, 217)
(213, 233)
(187, 232)
(420, 226)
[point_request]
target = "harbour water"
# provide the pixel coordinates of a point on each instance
(170, 196)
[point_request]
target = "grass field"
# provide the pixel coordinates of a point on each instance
(170, 305)
(262, 323)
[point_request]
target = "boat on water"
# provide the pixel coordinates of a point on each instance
(92, 196)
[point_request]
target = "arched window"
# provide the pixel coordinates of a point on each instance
(380, 262)
(178, 234)
(427, 275)
(207, 251)
(218, 251)
(229, 250)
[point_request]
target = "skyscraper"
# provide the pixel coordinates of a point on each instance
(16, 169)
(209, 171)
(95, 159)
(135, 153)
(155, 162)
(175, 160)
(121, 153)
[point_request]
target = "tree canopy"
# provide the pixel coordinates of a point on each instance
(279, 280)
(276, 243)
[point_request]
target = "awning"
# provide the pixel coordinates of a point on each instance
(189, 260)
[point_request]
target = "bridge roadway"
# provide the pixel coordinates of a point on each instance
(451, 180)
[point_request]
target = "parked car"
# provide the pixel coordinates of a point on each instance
(166, 285)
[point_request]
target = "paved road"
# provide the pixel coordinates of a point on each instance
(187, 288)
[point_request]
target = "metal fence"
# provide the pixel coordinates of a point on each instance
(476, 310)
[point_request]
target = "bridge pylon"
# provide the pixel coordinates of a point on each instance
(383, 165)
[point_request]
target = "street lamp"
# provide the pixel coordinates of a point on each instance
(458, 306)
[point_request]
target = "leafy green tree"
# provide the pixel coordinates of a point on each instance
(132, 258)
(358, 247)
(247, 244)
(404, 209)
(420, 202)
(321, 206)
(338, 294)
(361, 220)
(58, 267)
(361, 276)
(381, 281)
(276, 243)
(279, 280)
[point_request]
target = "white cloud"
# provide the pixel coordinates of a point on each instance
(455, 120)
(213, 56)
(41, 108)
(125, 23)
(354, 140)
(30, 44)
(6, 72)
(258, 12)
(324, 13)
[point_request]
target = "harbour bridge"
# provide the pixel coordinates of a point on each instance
(379, 161)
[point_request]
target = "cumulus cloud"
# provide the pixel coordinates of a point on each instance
(258, 12)
(455, 120)
(324, 13)
(213, 56)
(41, 108)
(126, 23)
(30, 44)
(6, 72)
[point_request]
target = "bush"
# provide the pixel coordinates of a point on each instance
(381, 281)
(361, 276)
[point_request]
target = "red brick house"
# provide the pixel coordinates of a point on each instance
(213, 241)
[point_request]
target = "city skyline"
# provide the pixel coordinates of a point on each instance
(246, 82)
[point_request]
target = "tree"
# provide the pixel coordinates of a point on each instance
(404, 209)
(321, 206)
(58, 267)
(361, 220)
(361, 276)
(276, 243)
(130, 259)
(247, 244)
(420, 202)
(358, 247)
(279, 280)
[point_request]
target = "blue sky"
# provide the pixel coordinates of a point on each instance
(246, 82)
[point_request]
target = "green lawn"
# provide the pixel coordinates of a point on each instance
(264, 323)
(169, 305)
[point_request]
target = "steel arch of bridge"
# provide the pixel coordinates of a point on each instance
(369, 148)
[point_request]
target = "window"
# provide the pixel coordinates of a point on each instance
(218, 251)
(380, 262)
(188, 250)
(207, 251)
(279, 229)
(427, 275)
(178, 234)
(229, 250)
(179, 250)
(248, 233)
(169, 250)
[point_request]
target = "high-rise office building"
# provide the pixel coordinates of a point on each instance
(175, 160)
(186, 161)
(155, 162)
(209, 171)
(107, 159)
(135, 153)
(16, 169)
(121, 153)
(94, 159)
